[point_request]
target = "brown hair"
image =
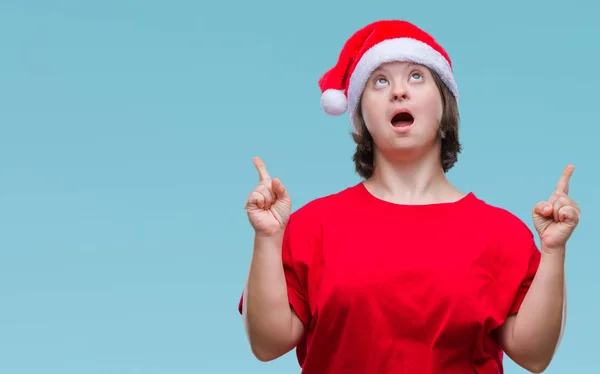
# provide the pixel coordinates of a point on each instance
(451, 147)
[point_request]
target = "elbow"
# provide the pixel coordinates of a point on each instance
(264, 355)
(533, 362)
(538, 367)
(268, 343)
(535, 366)
(266, 349)
(529, 354)
(535, 369)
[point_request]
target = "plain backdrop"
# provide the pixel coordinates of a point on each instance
(127, 130)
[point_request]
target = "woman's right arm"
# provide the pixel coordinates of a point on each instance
(272, 327)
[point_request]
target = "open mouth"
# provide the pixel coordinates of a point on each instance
(402, 119)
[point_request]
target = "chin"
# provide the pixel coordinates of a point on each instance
(404, 145)
(400, 145)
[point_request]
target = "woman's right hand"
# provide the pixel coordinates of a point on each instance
(269, 205)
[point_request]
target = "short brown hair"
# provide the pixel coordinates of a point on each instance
(451, 147)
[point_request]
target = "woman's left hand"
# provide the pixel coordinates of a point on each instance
(556, 218)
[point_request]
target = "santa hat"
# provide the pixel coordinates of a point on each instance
(370, 47)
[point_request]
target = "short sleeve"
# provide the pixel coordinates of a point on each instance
(297, 247)
(531, 262)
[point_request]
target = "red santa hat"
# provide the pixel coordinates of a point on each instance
(370, 47)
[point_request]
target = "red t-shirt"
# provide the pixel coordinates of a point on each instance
(389, 288)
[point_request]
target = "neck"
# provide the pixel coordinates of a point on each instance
(418, 180)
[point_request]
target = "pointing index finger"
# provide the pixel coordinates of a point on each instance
(563, 182)
(263, 174)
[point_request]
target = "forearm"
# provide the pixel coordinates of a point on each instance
(267, 313)
(539, 322)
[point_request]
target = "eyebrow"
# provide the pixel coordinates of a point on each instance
(381, 69)
(411, 65)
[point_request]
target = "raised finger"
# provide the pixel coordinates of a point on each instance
(556, 194)
(563, 182)
(263, 174)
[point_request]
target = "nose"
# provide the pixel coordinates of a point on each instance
(399, 92)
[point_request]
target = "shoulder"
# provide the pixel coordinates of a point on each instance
(508, 236)
(315, 210)
(304, 230)
(510, 244)
(503, 221)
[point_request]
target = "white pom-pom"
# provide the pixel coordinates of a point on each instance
(334, 102)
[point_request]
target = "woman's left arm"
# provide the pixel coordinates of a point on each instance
(530, 337)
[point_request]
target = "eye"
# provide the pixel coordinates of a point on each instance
(416, 76)
(381, 81)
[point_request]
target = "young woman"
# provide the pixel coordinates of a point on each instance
(403, 273)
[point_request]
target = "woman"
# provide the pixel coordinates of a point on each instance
(403, 273)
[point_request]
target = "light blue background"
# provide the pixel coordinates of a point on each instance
(127, 132)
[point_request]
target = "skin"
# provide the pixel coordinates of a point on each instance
(408, 168)
(408, 171)
(272, 327)
(531, 337)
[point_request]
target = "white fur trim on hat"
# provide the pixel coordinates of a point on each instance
(399, 49)
(334, 102)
